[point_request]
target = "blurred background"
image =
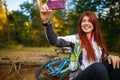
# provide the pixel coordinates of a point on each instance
(22, 37)
(20, 22)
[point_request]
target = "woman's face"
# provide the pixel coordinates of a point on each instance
(87, 25)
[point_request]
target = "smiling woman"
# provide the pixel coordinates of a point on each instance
(95, 63)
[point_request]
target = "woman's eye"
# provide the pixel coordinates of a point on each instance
(89, 20)
(83, 20)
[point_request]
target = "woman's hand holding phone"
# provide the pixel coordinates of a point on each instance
(45, 13)
(56, 4)
(46, 9)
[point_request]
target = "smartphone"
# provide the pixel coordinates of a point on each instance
(56, 4)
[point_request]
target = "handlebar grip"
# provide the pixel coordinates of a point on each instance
(63, 49)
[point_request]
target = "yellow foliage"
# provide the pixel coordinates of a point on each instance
(1, 27)
(57, 22)
(2, 18)
(2, 14)
(27, 24)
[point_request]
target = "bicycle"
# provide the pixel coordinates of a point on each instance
(56, 66)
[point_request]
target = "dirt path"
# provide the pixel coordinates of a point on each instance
(26, 72)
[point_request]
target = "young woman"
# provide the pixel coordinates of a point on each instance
(96, 62)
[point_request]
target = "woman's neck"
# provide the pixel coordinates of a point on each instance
(88, 35)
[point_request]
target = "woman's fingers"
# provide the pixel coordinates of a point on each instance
(114, 63)
(109, 59)
(44, 8)
(115, 60)
(118, 62)
(45, 13)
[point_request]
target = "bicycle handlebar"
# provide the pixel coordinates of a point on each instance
(63, 50)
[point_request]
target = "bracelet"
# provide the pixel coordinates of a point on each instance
(48, 23)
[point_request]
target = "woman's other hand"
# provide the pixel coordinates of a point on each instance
(115, 60)
(45, 13)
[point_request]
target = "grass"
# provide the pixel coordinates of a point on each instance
(40, 49)
(115, 53)
(22, 48)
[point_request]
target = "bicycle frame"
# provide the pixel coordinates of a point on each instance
(58, 69)
(56, 66)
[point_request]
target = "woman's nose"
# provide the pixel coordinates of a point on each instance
(86, 22)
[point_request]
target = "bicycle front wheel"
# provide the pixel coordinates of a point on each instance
(43, 72)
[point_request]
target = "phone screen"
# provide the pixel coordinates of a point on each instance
(56, 4)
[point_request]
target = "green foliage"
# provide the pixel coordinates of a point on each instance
(61, 26)
(7, 46)
(26, 25)
(111, 25)
(108, 15)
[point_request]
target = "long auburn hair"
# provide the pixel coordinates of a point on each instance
(84, 41)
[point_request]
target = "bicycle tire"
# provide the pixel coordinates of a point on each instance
(41, 73)
(65, 75)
